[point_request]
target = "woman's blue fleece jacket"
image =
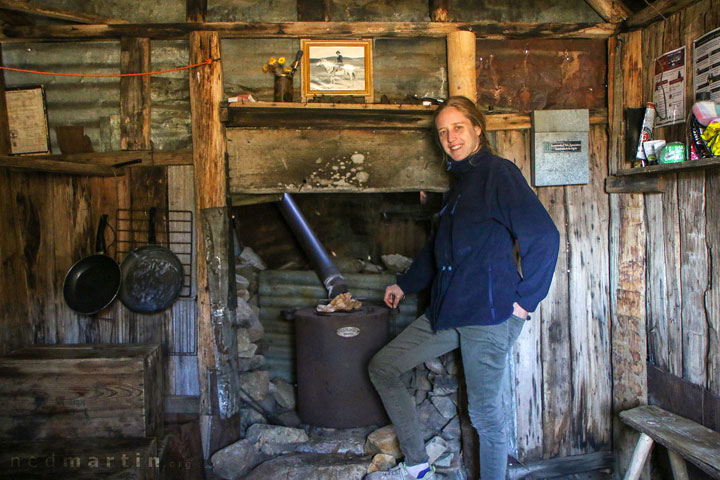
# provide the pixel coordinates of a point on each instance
(469, 260)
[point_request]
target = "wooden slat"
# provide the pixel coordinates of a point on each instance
(562, 466)
(614, 184)
(696, 443)
(693, 275)
(26, 7)
(712, 293)
(554, 314)
(337, 30)
(374, 116)
(145, 157)
(589, 297)
(135, 94)
(613, 11)
(700, 164)
(32, 164)
(656, 11)
(4, 126)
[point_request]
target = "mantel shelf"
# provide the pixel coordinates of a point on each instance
(355, 115)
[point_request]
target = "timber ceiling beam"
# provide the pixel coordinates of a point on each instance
(613, 11)
(656, 11)
(25, 7)
(335, 30)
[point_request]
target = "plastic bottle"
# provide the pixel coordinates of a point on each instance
(646, 133)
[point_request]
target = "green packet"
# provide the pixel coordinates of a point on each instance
(672, 153)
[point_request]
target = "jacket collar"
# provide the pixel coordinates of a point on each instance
(465, 166)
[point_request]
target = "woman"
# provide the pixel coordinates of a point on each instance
(479, 299)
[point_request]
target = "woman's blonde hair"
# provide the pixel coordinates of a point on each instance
(467, 108)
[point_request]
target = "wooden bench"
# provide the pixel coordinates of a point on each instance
(684, 439)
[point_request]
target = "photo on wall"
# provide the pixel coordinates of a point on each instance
(336, 68)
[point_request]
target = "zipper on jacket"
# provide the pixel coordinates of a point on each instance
(490, 291)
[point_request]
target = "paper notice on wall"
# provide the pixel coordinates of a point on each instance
(27, 121)
(706, 64)
(669, 92)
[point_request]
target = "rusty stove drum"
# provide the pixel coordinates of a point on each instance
(333, 352)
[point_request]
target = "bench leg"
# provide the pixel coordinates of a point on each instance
(642, 450)
(679, 468)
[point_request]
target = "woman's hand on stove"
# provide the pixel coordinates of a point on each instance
(393, 295)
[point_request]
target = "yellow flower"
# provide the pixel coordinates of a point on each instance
(287, 70)
(272, 61)
(281, 60)
(265, 68)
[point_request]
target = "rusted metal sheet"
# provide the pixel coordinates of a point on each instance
(524, 75)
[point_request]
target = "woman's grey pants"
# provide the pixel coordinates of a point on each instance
(484, 350)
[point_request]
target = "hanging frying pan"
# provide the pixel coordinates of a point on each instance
(152, 275)
(93, 282)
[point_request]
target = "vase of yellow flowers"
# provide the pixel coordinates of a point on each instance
(283, 91)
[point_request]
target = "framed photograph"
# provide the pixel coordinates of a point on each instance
(336, 67)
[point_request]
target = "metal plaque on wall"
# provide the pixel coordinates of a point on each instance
(560, 147)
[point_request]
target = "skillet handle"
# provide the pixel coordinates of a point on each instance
(151, 226)
(100, 246)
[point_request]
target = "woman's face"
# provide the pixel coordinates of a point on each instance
(458, 136)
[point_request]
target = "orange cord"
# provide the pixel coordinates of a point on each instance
(206, 62)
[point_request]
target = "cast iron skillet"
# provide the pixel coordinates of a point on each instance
(93, 282)
(152, 275)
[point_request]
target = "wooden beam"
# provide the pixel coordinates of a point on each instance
(313, 10)
(15, 18)
(482, 29)
(32, 164)
(139, 158)
(206, 92)
(25, 7)
(135, 94)
(613, 11)
(385, 116)
(615, 184)
(4, 126)
(195, 11)
(655, 11)
(462, 73)
(561, 466)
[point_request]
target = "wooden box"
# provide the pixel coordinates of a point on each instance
(71, 391)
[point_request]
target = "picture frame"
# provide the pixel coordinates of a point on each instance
(336, 67)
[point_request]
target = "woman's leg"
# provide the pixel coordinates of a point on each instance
(484, 351)
(416, 344)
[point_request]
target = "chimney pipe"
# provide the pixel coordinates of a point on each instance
(331, 277)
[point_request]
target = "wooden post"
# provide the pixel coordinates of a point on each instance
(640, 454)
(206, 91)
(462, 76)
(627, 266)
(4, 128)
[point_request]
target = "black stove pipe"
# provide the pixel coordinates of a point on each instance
(331, 277)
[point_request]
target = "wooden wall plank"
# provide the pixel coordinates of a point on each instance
(712, 292)
(693, 275)
(554, 315)
(588, 265)
(16, 331)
